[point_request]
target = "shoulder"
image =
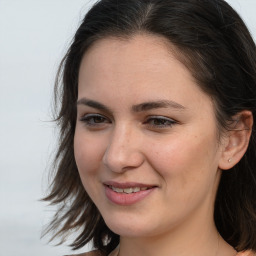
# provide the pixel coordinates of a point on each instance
(246, 253)
(92, 253)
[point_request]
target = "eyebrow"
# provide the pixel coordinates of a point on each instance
(145, 106)
(157, 104)
(93, 104)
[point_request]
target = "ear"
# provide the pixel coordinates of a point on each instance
(237, 139)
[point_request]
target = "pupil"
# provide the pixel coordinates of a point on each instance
(98, 119)
(159, 122)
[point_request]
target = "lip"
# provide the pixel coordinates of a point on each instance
(127, 184)
(127, 199)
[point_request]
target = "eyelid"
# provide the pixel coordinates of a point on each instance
(87, 118)
(161, 118)
(92, 115)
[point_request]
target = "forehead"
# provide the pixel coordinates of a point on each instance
(138, 43)
(141, 68)
(144, 56)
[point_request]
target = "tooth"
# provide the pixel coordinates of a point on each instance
(128, 190)
(136, 189)
(118, 190)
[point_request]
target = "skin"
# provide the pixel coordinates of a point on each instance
(175, 147)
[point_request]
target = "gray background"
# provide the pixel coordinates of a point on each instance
(34, 35)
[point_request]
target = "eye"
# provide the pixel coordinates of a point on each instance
(160, 122)
(94, 120)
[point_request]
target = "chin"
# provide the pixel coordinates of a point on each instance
(128, 228)
(127, 231)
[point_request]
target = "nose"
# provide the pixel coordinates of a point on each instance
(124, 150)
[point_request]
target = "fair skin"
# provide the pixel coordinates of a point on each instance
(143, 123)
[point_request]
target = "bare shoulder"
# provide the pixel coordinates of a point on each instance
(92, 253)
(247, 253)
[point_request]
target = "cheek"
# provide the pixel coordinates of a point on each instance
(186, 160)
(88, 155)
(88, 152)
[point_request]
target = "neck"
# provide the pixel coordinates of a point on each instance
(200, 241)
(197, 245)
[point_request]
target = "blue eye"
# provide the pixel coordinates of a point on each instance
(160, 122)
(94, 120)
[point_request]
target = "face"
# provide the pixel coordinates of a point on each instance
(146, 142)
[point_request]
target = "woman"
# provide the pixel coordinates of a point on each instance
(157, 146)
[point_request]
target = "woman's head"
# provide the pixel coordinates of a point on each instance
(144, 124)
(211, 42)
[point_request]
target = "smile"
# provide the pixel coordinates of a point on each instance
(127, 193)
(128, 190)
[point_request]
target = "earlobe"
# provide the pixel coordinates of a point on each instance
(237, 140)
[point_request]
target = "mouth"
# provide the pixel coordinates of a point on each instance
(128, 190)
(127, 193)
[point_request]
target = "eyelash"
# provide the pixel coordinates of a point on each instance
(157, 122)
(91, 120)
(165, 122)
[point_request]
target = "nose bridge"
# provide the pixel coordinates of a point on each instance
(123, 150)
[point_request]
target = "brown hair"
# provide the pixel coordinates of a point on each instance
(214, 43)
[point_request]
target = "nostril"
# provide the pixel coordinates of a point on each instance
(121, 159)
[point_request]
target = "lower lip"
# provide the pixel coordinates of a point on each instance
(126, 199)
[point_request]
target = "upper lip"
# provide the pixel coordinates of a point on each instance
(127, 184)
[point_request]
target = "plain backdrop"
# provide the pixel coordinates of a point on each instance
(34, 35)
